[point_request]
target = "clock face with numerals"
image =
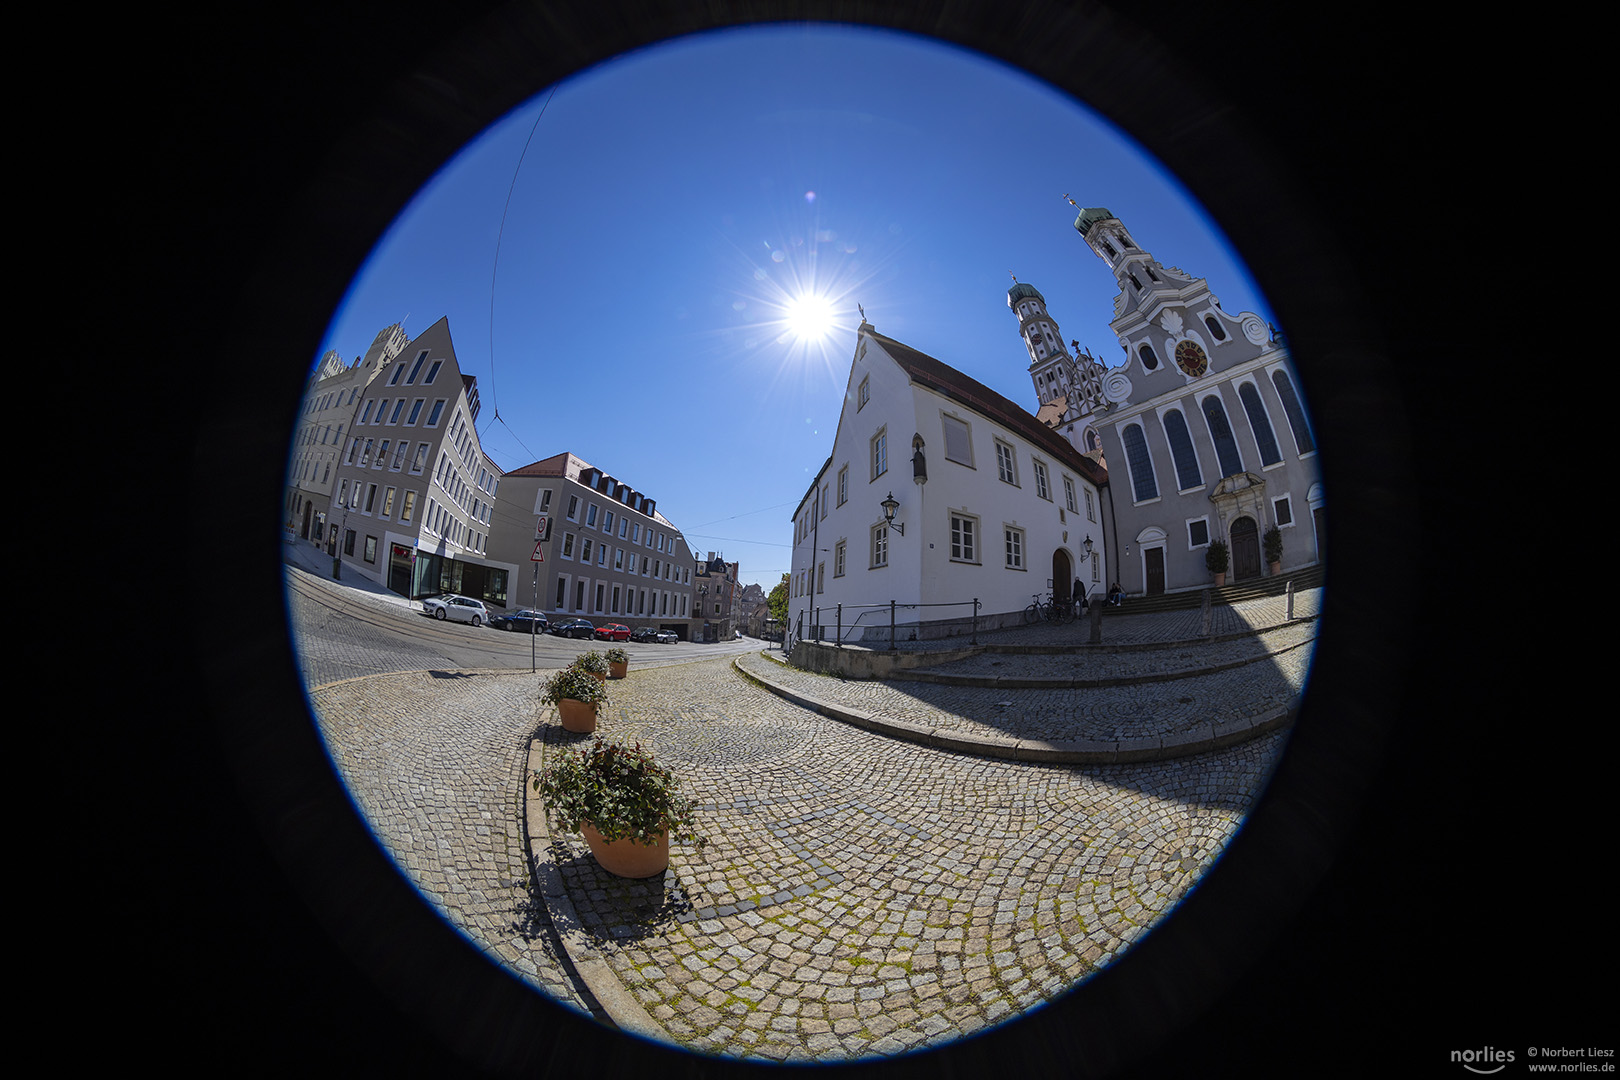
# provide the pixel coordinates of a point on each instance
(1191, 359)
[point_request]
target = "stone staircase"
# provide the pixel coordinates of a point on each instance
(1308, 577)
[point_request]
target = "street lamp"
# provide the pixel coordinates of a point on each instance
(889, 507)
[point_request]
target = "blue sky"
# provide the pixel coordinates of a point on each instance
(671, 203)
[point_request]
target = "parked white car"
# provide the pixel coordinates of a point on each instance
(460, 608)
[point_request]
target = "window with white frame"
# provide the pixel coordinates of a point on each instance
(838, 559)
(1198, 533)
(864, 394)
(843, 485)
(1282, 512)
(880, 546)
(1068, 495)
(1015, 548)
(568, 546)
(1005, 463)
(880, 453)
(964, 538)
(1042, 489)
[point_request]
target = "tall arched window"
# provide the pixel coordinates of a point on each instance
(1226, 450)
(1181, 450)
(1143, 485)
(1260, 423)
(1303, 441)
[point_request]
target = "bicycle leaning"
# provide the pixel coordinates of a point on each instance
(1050, 610)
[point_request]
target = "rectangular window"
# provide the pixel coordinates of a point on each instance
(438, 408)
(600, 588)
(365, 414)
(590, 515)
(1198, 533)
(399, 369)
(607, 522)
(371, 549)
(408, 508)
(416, 411)
(824, 502)
(348, 542)
(1004, 463)
(1015, 549)
(568, 546)
(843, 485)
(573, 508)
(821, 578)
(1089, 515)
(388, 502)
(615, 599)
(585, 550)
(1041, 487)
(1068, 495)
(416, 367)
(838, 559)
(880, 546)
(880, 454)
(562, 592)
(958, 447)
(371, 497)
(398, 405)
(432, 372)
(579, 596)
(964, 532)
(865, 393)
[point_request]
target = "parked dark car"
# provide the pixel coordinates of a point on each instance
(644, 633)
(522, 622)
(574, 628)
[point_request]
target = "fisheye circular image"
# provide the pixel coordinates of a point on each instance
(804, 544)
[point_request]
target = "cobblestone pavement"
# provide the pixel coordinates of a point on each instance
(860, 896)
(1101, 667)
(436, 761)
(1144, 710)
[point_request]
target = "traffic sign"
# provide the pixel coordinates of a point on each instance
(539, 553)
(540, 524)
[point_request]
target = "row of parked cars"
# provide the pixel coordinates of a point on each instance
(467, 610)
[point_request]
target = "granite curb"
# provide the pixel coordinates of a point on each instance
(1077, 752)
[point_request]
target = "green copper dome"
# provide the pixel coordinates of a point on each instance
(1090, 217)
(1021, 291)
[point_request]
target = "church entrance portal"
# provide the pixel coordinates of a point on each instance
(1245, 549)
(1062, 576)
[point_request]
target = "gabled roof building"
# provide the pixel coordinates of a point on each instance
(940, 499)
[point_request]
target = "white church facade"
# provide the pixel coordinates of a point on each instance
(1203, 427)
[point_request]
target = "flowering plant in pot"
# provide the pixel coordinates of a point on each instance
(624, 803)
(1215, 561)
(593, 662)
(1272, 542)
(577, 694)
(618, 662)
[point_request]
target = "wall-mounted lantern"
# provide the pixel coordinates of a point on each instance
(889, 507)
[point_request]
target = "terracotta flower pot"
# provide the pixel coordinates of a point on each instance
(1275, 568)
(617, 671)
(577, 716)
(1220, 580)
(626, 858)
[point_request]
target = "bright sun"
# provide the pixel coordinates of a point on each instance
(810, 317)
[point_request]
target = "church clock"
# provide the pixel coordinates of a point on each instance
(1190, 358)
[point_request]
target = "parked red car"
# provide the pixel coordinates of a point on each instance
(613, 632)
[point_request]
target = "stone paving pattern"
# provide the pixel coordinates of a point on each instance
(861, 897)
(436, 762)
(1160, 707)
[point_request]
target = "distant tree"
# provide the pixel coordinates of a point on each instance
(779, 601)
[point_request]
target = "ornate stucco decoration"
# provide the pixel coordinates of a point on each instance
(1254, 328)
(1116, 387)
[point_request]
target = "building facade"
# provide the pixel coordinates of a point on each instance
(329, 406)
(939, 492)
(606, 553)
(414, 492)
(1203, 426)
(715, 583)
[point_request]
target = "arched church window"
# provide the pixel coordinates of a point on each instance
(1181, 450)
(1214, 328)
(1149, 360)
(1220, 432)
(1110, 249)
(1143, 485)
(1260, 423)
(1134, 281)
(1296, 415)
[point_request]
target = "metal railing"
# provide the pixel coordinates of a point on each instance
(860, 621)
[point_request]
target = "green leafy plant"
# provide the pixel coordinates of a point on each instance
(593, 662)
(576, 683)
(1215, 557)
(1273, 544)
(620, 790)
(616, 656)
